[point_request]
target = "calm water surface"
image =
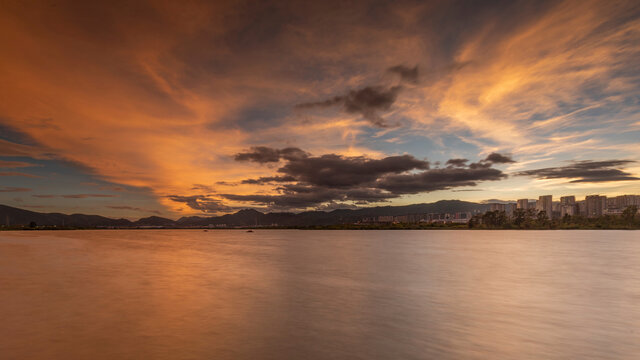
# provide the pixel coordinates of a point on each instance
(292, 294)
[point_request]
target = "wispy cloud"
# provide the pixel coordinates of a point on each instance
(14, 164)
(14, 189)
(15, 173)
(585, 171)
(8, 148)
(84, 196)
(133, 208)
(74, 196)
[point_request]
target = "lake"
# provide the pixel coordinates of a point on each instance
(295, 294)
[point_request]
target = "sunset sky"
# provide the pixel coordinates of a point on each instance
(177, 108)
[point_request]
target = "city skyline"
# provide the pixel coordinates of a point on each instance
(206, 108)
(592, 206)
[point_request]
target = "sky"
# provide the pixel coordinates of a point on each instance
(139, 108)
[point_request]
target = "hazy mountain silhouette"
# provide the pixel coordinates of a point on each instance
(247, 217)
(14, 216)
(154, 221)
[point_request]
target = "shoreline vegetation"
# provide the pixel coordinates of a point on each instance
(487, 221)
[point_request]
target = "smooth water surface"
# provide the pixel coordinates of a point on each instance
(293, 294)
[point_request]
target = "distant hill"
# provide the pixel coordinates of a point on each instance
(154, 221)
(248, 217)
(311, 218)
(14, 216)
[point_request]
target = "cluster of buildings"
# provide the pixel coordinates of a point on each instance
(592, 206)
(442, 218)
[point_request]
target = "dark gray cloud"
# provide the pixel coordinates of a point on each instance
(488, 162)
(312, 196)
(368, 102)
(499, 158)
(457, 162)
(226, 183)
(269, 179)
(438, 179)
(480, 165)
(339, 171)
(408, 74)
(203, 203)
(263, 154)
(260, 154)
(585, 171)
(289, 200)
(314, 181)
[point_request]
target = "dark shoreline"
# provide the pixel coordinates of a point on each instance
(331, 227)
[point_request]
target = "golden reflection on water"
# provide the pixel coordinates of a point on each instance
(271, 294)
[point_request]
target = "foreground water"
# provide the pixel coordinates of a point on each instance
(291, 294)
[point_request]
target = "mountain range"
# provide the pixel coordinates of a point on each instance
(12, 216)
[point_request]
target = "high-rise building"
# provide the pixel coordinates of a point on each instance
(570, 210)
(594, 205)
(623, 201)
(496, 207)
(582, 207)
(568, 206)
(523, 204)
(507, 208)
(545, 203)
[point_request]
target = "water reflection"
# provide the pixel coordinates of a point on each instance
(225, 294)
